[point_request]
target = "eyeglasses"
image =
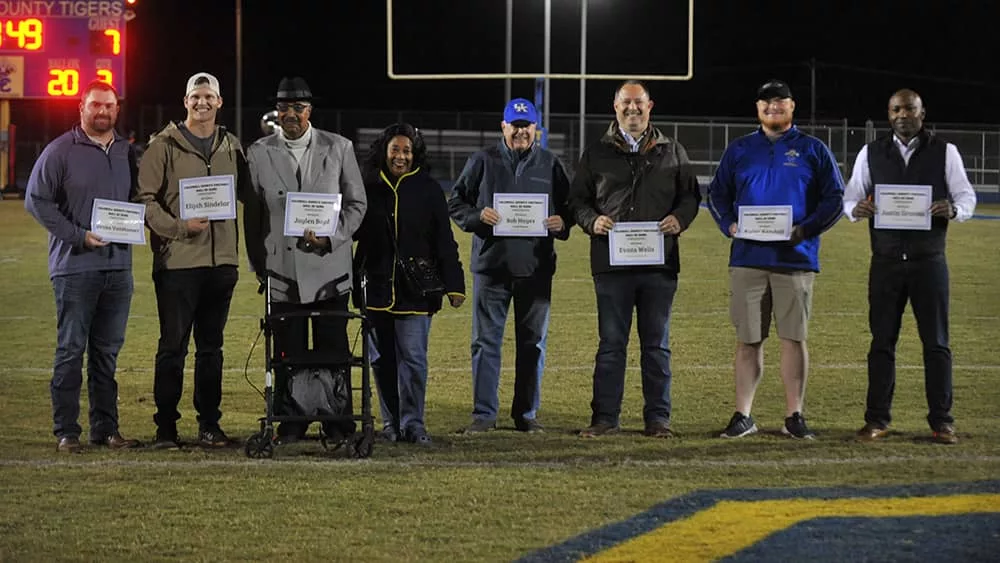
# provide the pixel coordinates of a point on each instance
(299, 108)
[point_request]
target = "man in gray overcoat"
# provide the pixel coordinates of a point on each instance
(308, 271)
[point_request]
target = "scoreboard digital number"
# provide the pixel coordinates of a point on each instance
(53, 48)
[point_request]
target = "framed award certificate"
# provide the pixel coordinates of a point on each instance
(521, 215)
(211, 197)
(635, 244)
(765, 223)
(118, 221)
(905, 207)
(317, 212)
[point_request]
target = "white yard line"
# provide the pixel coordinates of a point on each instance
(675, 368)
(577, 463)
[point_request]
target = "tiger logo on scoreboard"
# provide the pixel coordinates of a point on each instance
(11, 77)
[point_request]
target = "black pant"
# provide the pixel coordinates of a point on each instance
(291, 338)
(195, 298)
(925, 284)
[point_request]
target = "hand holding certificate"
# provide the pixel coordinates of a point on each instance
(209, 197)
(521, 215)
(765, 223)
(905, 207)
(635, 244)
(118, 221)
(316, 212)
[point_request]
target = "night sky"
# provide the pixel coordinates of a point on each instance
(864, 51)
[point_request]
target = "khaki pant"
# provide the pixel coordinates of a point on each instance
(755, 293)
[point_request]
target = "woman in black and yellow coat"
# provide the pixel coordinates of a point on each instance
(407, 217)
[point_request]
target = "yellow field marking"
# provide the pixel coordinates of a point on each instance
(731, 526)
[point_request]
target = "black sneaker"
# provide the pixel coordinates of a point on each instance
(795, 427)
(739, 426)
(213, 438)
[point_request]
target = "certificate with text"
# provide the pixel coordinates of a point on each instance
(319, 213)
(765, 223)
(906, 207)
(637, 243)
(210, 197)
(521, 215)
(118, 221)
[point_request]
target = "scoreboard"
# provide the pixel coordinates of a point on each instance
(51, 49)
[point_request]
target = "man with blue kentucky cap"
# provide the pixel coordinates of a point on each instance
(513, 198)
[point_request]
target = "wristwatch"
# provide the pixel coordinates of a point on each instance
(954, 211)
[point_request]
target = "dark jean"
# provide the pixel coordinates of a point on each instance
(925, 284)
(91, 315)
(491, 297)
(398, 352)
(198, 299)
(651, 294)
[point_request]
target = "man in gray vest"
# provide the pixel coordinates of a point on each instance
(908, 260)
(308, 271)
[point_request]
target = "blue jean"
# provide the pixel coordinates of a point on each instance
(398, 352)
(91, 315)
(491, 297)
(651, 293)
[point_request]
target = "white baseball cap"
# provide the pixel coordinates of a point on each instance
(202, 80)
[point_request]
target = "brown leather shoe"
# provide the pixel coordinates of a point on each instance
(658, 429)
(945, 434)
(69, 445)
(599, 429)
(872, 432)
(117, 442)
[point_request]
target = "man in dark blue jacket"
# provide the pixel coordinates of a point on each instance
(512, 198)
(91, 277)
(774, 192)
(634, 193)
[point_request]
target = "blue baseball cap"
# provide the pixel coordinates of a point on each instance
(520, 109)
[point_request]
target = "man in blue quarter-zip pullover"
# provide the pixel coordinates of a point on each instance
(775, 191)
(91, 277)
(511, 263)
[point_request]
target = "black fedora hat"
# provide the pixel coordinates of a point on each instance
(294, 89)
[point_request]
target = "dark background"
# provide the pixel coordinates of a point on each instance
(864, 50)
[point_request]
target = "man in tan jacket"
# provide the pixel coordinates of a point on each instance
(189, 179)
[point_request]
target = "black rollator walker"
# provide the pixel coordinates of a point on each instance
(323, 375)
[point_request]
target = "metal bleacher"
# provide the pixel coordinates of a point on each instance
(448, 149)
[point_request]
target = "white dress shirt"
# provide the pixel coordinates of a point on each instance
(963, 196)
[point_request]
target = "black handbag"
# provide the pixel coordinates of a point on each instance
(420, 275)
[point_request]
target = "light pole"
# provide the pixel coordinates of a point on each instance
(548, 53)
(583, 70)
(239, 70)
(510, 43)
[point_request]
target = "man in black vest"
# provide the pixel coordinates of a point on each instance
(908, 255)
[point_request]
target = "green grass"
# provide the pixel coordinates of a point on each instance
(479, 498)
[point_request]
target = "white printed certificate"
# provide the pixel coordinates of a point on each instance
(765, 223)
(906, 207)
(118, 221)
(637, 243)
(210, 197)
(521, 215)
(319, 213)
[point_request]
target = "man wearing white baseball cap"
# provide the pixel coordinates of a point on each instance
(194, 253)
